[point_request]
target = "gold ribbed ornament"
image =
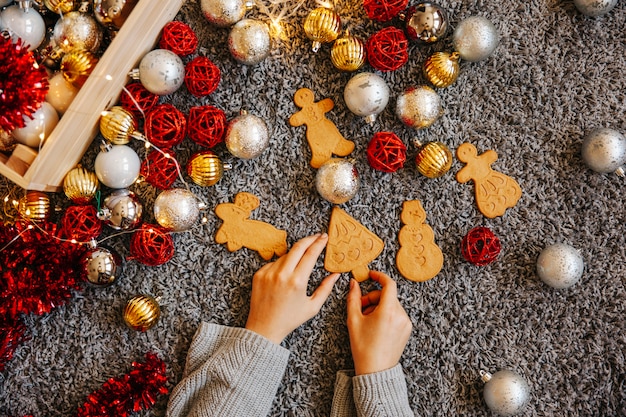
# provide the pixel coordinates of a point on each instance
(60, 6)
(142, 312)
(442, 68)
(77, 65)
(322, 25)
(118, 125)
(348, 53)
(34, 206)
(433, 159)
(205, 168)
(80, 185)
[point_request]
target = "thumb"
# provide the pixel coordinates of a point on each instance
(353, 302)
(321, 293)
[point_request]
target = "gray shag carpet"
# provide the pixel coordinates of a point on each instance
(555, 75)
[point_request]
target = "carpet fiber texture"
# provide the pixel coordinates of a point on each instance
(555, 75)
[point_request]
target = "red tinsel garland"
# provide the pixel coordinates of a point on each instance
(386, 152)
(202, 76)
(165, 126)
(206, 125)
(384, 10)
(12, 331)
(387, 49)
(480, 246)
(179, 38)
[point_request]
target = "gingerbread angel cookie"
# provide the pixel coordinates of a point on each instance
(323, 136)
(239, 231)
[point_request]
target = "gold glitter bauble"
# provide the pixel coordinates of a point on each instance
(205, 168)
(322, 25)
(433, 159)
(35, 206)
(142, 312)
(76, 66)
(80, 185)
(348, 53)
(60, 6)
(77, 31)
(118, 125)
(442, 68)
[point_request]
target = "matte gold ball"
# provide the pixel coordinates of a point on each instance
(34, 206)
(205, 168)
(117, 125)
(348, 53)
(142, 312)
(322, 25)
(80, 185)
(433, 159)
(442, 68)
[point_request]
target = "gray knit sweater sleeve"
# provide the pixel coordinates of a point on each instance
(229, 372)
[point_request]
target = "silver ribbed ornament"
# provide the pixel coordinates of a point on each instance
(337, 180)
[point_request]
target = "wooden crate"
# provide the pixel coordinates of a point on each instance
(80, 123)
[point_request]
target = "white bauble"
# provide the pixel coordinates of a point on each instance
(161, 72)
(117, 166)
(366, 95)
(37, 129)
(26, 24)
(60, 93)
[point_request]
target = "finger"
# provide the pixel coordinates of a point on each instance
(353, 302)
(321, 293)
(264, 268)
(371, 298)
(389, 291)
(311, 254)
(291, 260)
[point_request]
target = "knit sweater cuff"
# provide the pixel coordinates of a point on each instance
(343, 400)
(382, 393)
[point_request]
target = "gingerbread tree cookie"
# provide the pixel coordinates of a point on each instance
(419, 258)
(323, 136)
(351, 246)
(239, 231)
(495, 192)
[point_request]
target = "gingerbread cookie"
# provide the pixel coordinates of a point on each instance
(351, 246)
(323, 136)
(419, 258)
(495, 192)
(239, 231)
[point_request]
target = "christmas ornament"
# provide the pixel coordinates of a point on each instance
(142, 312)
(202, 76)
(560, 266)
(7, 142)
(179, 38)
(249, 41)
(151, 245)
(506, 393)
(386, 152)
(480, 246)
(102, 266)
(604, 150)
(113, 13)
(61, 7)
(117, 166)
(137, 100)
(80, 185)
(384, 10)
(77, 31)
(426, 22)
(122, 210)
(60, 93)
(161, 72)
(441, 69)
(419, 107)
(205, 168)
(366, 95)
(206, 125)
(247, 136)
(76, 66)
(322, 25)
(595, 8)
(118, 125)
(337, 181)
(177, 210)
(81, 223)
(348, 53)
(160, 168)
(165, 125)
(25, 24)
(224, 13)
(38, 129)
(433, 159)
(34, 206)
(387, 49)
(475, 38)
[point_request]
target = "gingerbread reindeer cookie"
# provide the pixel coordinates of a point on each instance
(239, 231)
(323, 136)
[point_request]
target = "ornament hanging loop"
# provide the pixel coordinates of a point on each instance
(485, 376)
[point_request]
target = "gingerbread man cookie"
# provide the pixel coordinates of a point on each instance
(239, 231)
(495, 192)
(323, 136)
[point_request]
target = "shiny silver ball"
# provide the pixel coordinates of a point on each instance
(101, 266)
(426, 22)
(560, 265)
(247, 136)
(249, 41)
(595, 8)
(223, 13)
(161, 72)
(122, 210)
(604, 150)
(505, 392)
(475, 38)
(337, 180)
(419, 107)
(176, 209)
(366, 95)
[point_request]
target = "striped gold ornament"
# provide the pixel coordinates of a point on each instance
(205, 168)
(77, 65)
(80, 185)
(34, 206)
(142, 312)
(118, 125)
(60, 6)
(322, 25)
(348, 53)
(442, 68)
(433, 159)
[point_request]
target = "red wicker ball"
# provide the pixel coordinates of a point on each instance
(165, 126)
(206, 125)
(160, 169)
(480, 246)
(81, 223)
(179, 38)
(202, 76)
(386, 152)
(137, 100)
(387, 49)
(383, 10)
(151, 245)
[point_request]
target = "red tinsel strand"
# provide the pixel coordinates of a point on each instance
(179, 38)
(151, 245)
(165, 126)
(480, 246)
(383, 10)
(136, 98)
(81, 223)
(12, 331)
(386, 152)
(159, 170)
(206, 125)
(387, 49)
(202, 76)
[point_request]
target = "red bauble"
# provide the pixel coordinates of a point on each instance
(179, 38)
(386, 152)
(81, 223)
(151, 245)
(206, 125)
(137, 100)
(160, 169)
(202, 76)
(383, 10)
(387, 49)
(480, 246)
(165, 126)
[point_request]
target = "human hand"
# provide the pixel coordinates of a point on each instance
(378, 325)
(279, 302)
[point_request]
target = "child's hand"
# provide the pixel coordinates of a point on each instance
(279, 303)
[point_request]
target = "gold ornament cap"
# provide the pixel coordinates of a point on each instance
(142, 312)
(322, 25)
(80, 185)
(441, 69)
(348, 53)
(118, 125)
(205, 168)
(433, 159)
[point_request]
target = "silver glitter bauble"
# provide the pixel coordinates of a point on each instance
(366, 95)
(604, 150)
(122, 210)
(223, 13)
(475, 38)
(595, 8)
(161, 72)
(77, 30)
(177, 209)
(426, 22)
(560, 266)
(419, 107)
(101, 266)
(337, 180)
(247, 136)
(249, 41)
(506, 393)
